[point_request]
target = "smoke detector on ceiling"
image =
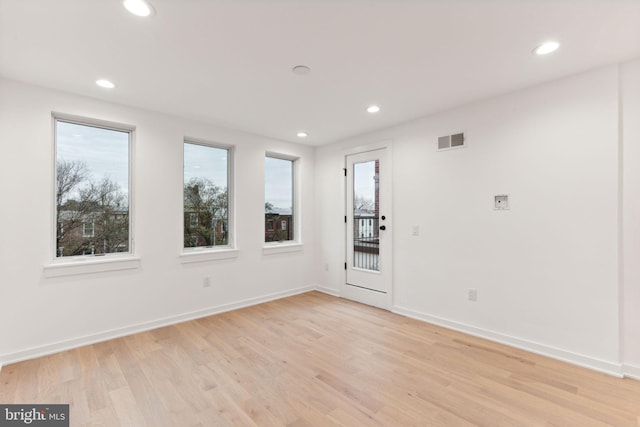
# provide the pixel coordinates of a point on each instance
(301, 70)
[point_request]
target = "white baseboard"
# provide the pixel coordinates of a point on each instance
(610, 368)
(328, 291)
(631, 371)
(69, 344)
(604, 366)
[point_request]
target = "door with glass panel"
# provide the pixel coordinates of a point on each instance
(368, 192)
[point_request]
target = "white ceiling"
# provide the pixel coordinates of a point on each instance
(228, 62)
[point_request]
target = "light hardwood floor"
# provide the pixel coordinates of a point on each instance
(316, 360)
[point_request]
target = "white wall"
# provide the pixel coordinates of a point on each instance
(40, 315)
(630, 93)
(546, 272)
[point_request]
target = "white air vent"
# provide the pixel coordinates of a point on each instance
(451, 141)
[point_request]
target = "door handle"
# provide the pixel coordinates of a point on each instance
(383, 227)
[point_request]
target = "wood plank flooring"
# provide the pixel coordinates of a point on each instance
(316, 360)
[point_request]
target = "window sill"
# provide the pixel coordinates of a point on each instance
(281, 248)
(61, 268)
(208, 255)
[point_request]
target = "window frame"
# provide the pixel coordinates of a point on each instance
(209, 253)
(295, 244)
(90, 264)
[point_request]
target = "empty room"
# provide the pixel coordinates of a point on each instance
(320, 213)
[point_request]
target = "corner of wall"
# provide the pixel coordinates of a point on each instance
(631, 371)
(328, 291)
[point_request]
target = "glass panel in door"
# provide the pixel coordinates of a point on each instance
(366, 215)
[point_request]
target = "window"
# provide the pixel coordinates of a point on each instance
(92, 187)
(206, 195)
(193, 219)
(279, 199)
(88, 229)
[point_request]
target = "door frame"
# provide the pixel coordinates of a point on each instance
(363, 295)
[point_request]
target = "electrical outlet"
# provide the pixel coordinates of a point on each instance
(415, 230)
(326, 267)
(501, 202)
(472, 294)
(206, 282)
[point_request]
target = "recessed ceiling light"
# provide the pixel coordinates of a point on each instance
(301, 70)
(105, 84)
(373, 109)
(546, 48)
(138, 7)
(302, 134)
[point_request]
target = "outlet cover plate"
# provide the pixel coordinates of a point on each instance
(501, 202)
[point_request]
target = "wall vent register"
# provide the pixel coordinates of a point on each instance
(451, 141)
